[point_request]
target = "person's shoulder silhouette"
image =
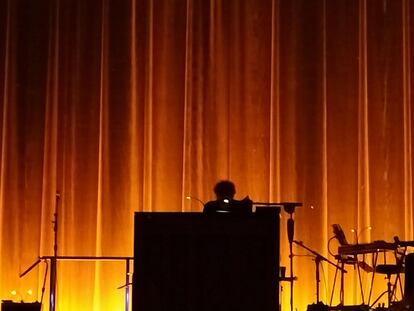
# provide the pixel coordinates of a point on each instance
(225, 202)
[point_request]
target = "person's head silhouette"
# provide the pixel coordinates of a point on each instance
(225, 189)
(225, 202)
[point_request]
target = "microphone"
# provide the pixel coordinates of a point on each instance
(194, 198)
(290, 229)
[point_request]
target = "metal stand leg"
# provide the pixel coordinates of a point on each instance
(52, 285)
(127, 282)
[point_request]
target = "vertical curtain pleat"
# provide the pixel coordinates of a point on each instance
(274, 109)
(363, 219)
(407, 113)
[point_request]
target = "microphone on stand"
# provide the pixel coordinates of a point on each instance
(290, 229)
(195, 198)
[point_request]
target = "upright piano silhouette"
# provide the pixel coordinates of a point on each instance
(200, 262)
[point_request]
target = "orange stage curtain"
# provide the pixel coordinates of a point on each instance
(131, 105)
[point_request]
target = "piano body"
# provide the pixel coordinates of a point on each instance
(195, 261)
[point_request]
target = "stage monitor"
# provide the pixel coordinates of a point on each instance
(203, 262)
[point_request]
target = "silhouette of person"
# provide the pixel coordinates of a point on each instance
(225, 202)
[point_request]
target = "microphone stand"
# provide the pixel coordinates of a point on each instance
(318, 258)
(289, 207)
(53, 260)
(290, 233)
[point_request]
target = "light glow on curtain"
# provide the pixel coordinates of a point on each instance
(132, 105)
